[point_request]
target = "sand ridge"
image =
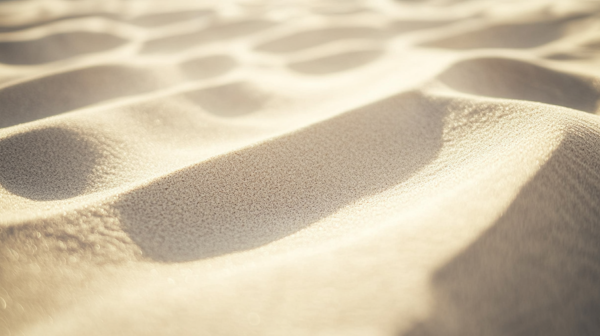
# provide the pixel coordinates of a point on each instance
(303, 167)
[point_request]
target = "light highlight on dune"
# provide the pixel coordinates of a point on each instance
(299, 168)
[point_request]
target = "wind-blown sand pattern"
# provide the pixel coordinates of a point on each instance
(403, 168)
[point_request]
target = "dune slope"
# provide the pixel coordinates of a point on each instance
(301, 168)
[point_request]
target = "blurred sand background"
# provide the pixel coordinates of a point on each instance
(404, 168)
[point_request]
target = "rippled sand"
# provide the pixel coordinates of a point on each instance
(409, 168)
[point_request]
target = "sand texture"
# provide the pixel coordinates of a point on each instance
(405, 168)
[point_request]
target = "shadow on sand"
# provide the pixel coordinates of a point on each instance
(48, 164)
(514, 79)
(57, 47)
(259, 194)
(536, 271)
(39, 98)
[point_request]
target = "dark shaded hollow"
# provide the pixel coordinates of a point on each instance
(516, 35)
(337, 10)
(10, 28)
(63, 92)
(592, 45)
(215, 32)
(536, 271)
(229, 100)
(564, 56)
(260, 194)
(405, 26)
(207, 67)
(149, 20)
(336, 63)
(56, 47)
(312, 38)
(47, 164)
(513, 79)
(161, 19)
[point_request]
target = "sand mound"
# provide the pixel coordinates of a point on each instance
(513, 79)
(299, 168)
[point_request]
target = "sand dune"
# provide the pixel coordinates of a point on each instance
(300, 168)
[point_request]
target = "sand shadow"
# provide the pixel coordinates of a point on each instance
(229, 100)
(336, 63)
(592, 45)
(512, 36)
(207, 67)
(63, 92)
(56, 47)
(149, 20)
(7, 28)
(308, 39)
(216, 32)
(513, 79)
(259, 194)
(313, 38)
(565, 56)
(337, 10)
(536, 271)
(406, 26)
(47, 164)
(162, 19)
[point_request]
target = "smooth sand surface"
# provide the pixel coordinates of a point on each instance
(407, 168)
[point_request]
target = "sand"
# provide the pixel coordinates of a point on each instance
(405, 168)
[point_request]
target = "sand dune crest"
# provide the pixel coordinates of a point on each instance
(299, 168)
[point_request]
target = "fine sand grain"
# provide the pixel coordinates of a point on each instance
(407, 168)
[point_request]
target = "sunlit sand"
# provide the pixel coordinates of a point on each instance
(409, 168)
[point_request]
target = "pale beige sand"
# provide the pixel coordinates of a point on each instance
(403, 168)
